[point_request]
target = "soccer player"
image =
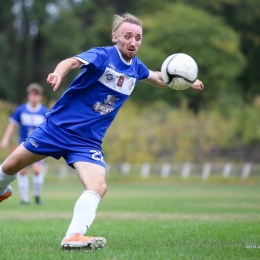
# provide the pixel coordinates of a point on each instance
(77, 123)
(27, 117)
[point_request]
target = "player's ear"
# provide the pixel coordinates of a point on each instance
(114, 35)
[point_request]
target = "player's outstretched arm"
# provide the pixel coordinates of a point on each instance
(54, 78)
(155, 79)
(7, 135)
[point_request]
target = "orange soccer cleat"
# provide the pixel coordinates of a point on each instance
(7, 194)
(80, 242)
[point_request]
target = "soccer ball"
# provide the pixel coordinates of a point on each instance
(179, 71)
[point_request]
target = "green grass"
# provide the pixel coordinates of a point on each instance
(150, 219)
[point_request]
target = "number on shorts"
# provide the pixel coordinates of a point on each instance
(97, 155)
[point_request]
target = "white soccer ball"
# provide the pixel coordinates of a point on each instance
(179, 71)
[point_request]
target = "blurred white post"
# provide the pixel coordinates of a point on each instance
(44, 169)
(185, 170)
(107, 168)
(165, 172)
(125, 168)
(63, 171)
(206, 171)
(145, 171)
(227, 169)
(246, 170)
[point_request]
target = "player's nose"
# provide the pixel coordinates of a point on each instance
(133, 42)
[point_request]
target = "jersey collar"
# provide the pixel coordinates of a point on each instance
(122, 59)
(33, 109)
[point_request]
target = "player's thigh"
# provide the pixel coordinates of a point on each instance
(92, 176)
(19, 159)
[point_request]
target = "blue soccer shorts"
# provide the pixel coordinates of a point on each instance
(51, 140)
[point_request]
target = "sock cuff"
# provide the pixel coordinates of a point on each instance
(92, 192)
(6, 176)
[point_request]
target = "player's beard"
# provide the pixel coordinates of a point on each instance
(127, 57)
(124, 52)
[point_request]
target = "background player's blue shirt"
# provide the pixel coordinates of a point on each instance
(94, 98)
(28, 118)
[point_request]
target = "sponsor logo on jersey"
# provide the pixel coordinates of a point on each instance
(106, 107)
(130, 84)
(120, 81)
(33, 143)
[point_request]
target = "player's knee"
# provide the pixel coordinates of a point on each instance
(10, 167)
(100, 189)
(103, 189)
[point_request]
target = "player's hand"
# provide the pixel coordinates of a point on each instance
(54, 79)
(197, 85)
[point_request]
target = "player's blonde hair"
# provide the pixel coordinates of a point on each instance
(118, 20)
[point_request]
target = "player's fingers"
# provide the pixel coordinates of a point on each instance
(56, 85)
(54, 80)
(198, 85)
(201, 86)
(50, 78)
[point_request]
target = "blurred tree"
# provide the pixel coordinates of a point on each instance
(8, 66)
(21, 46)
(244, 17)
(36, 35)
(213, 45)
(25, 39)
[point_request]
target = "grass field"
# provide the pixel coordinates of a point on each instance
(150, 219)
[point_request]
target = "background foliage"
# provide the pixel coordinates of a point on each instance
(223, 36)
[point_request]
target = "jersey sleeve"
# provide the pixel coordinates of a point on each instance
(144, 72)
(16, 116)
(94, 56)
(45, 110)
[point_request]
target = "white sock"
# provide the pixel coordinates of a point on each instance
(37, 184)
(23, 187)
(5, 180)
(84, 213)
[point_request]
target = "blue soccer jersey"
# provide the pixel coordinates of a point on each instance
(94, 98)
(28, 118)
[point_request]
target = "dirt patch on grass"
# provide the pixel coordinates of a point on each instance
(134, 216)
(178, 216)
(226, 205)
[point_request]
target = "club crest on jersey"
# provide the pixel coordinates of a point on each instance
(109, 76)
(120, 81)
(107, 106)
